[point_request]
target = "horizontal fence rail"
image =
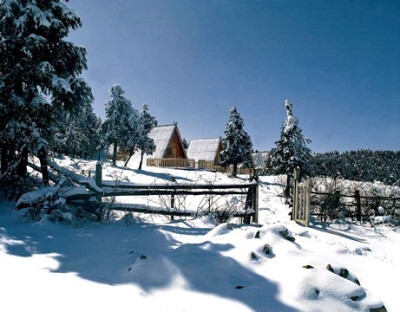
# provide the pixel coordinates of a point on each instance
(92, 190)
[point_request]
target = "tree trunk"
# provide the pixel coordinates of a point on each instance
(114, 157)
(234, 169)
(129, 158)
(287, 188)
(43, 165)
(141, 160)
(22, 166)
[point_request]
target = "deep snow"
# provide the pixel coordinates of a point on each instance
(192, 265)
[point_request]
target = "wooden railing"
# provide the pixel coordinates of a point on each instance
(191, 163)
(204, 164)
(170, 162)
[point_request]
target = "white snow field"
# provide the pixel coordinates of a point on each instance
(155, 264)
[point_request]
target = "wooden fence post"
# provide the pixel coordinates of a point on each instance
(255, 202)
(248, 205)
(308, 202)
(358, 204)
(296, 180)
(98, 174)
(98, 179)
(172, 205)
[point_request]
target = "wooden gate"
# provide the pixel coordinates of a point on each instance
(301, 200)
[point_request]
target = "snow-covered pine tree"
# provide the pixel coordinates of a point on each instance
(120, 127)
(237, 143)
(91, 133)
(78, 134)
(359, 165)
(38, 78)
(140, 140)
(146, 124)
(291, 150)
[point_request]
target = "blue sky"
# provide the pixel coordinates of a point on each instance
(337, 61)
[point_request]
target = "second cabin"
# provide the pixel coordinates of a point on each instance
(205, 152)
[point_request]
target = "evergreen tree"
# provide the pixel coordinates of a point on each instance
(185, 143)
(291, 150)
(236, 144)
(120, 128)
(146, 124)
(360, 165)
(91, 133)
(38, 78)
(77, 134)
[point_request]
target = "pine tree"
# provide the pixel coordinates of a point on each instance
(146, 124)
(38, 78)
(236, 144)
(360, 165)
(291, 150)
(77, 134)
(90, 126)
(185, 143)
(120, 128)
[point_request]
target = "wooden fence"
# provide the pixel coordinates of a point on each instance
(205, 164)
(191, 163)
(170, 162)
(96, 188)
(329, 206)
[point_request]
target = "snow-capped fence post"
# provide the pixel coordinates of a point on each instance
(358, 204)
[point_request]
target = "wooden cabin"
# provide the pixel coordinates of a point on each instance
(205, 152)
(170, 151)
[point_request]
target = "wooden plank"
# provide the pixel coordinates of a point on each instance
(176, 186)
(141, 209)
(115, 192)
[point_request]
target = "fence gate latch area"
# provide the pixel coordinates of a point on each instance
(301, 200)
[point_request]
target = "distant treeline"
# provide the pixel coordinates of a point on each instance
(360, 165)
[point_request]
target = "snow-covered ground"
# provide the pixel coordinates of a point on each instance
(193, 265)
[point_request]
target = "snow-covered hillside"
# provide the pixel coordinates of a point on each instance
(155, 264)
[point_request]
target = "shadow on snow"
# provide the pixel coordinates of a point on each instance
(145, 255)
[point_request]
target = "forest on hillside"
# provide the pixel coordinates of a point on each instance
(359, 165)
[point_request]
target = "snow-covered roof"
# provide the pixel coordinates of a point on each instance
(203, 149)
(161, 136)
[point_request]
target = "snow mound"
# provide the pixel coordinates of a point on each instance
(318, 287)
(220, 229)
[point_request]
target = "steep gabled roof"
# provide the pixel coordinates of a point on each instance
(161, 136)
(203, 149)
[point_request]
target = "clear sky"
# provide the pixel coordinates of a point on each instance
(337, 61)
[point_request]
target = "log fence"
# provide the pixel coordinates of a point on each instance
(94, 189)
(327, 205)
